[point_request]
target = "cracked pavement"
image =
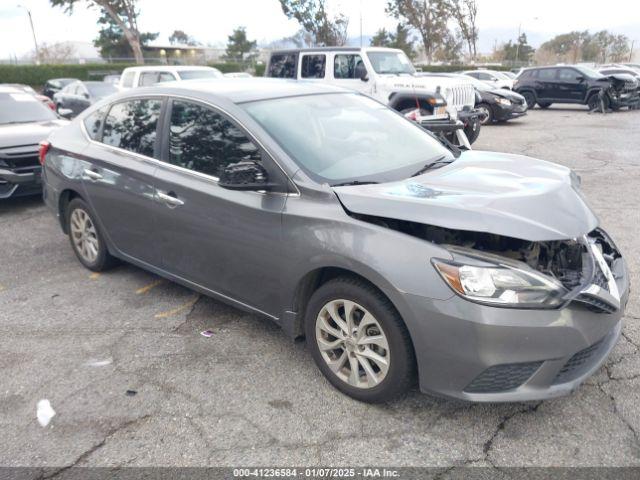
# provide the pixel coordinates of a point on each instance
(249, 396)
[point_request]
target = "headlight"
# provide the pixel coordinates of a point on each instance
(503, 101)
(502, 285)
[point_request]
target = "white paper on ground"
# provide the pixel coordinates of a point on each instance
(44, 412)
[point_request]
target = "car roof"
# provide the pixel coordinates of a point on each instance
(172, 68)
(240, 90)
(336, 49)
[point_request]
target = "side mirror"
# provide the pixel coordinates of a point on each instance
(580, 78)
(363, 75)
(245, 175)
(65, 113)
(85, 95)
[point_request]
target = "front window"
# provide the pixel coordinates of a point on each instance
(204, 141)
(348, 67)
(196, 74)
(20, 107)
(391, 62)
(338, 138)
(588, 72)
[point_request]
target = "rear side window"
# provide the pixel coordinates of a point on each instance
(127, 79)
(282, 65)
(132, 126)
(547, 74)
(313, 66)
(93, 123)
(166, 77)
(148, 78)
(203, 140)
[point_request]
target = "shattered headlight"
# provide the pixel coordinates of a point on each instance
(502, 285)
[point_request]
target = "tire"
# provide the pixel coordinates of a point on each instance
(593, 102)
(544, 104)
(380, 380)
(85, 237)
(530, 98)
(472, 135)
(488, 111)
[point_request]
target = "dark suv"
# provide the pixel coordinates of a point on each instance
(571, 84)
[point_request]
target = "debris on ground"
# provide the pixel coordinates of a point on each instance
(100, 363)
(44, 412)
(131, 393)
(207, 333)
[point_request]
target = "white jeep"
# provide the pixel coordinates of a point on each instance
(440, 104)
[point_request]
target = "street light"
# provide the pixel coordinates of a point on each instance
(33, 32)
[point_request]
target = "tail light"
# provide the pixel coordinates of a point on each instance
(43, 150)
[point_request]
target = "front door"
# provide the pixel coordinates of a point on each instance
(571, 85)
(347, 70)
(118, 178)
(227, 241)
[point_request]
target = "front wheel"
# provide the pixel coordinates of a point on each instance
(486, 113)
(593, 103)
(358, 341)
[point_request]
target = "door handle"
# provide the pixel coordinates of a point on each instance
(169, 199)
(92, 175)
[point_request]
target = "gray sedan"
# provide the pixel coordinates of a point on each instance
(484, 276)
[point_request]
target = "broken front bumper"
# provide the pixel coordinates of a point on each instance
(481, 353)
(20, 182)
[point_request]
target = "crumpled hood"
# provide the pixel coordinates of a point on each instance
(503, 194)
(19, 134)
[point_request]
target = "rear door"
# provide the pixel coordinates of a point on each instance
(118, 175)
(227, 241)
(546, 84)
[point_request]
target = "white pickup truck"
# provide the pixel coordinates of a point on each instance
(442, 105)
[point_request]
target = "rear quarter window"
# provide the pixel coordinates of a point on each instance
(282, 65)
(93, 123)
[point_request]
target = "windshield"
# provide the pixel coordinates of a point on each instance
(20, 107)
(390, 62)
(338, 138)
(194, 74)
(588, 72)
(101, 89)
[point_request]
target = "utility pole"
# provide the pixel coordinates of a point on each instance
(518, 42)
(633, 42)
(33, 32)
(360, 23)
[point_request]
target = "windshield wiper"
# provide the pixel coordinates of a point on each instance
(439, 162)
(353, 182)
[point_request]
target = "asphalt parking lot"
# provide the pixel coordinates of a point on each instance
(133, 382)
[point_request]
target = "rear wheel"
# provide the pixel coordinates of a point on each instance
(359, 341)
(530, 98)
(86, 240)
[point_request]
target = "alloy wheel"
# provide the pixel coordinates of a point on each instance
(84, 235)
(352, 343)
(486, 114)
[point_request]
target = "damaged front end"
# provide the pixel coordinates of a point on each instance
(508, 272)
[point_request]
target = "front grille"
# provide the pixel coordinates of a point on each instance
(19, 157)
(501, 378)
(579, 364)
(459, 96)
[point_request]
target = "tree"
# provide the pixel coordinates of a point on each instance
(54, 53)
(576, 46)
(239, 48)
(179, 37)
(313, 17)
(450, 49)
(428, 17)
(465, 13)
(382, 38)
(401, 40)
(123, 13)
(519, 51)
(111, 41)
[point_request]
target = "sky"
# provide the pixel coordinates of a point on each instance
(211, 21)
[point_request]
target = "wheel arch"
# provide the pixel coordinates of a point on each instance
(63, 202)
